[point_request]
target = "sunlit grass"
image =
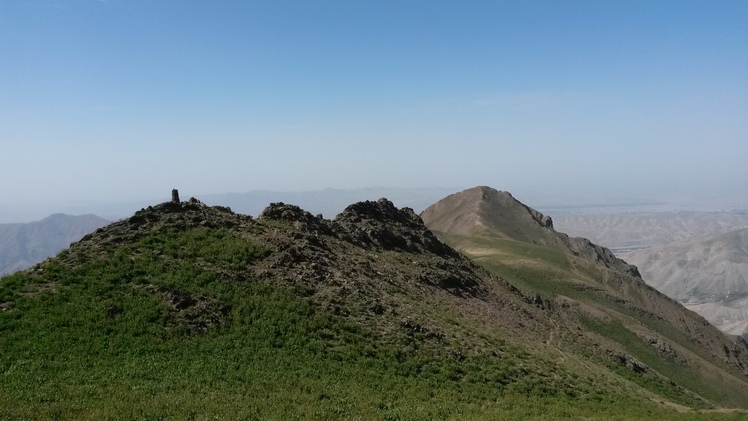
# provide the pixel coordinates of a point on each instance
(101, 340)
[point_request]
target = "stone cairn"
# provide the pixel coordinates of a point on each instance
(175, 195)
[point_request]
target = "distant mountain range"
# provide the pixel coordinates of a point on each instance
(23, 245)
(708, 274)
(697, 258)
(638, 230)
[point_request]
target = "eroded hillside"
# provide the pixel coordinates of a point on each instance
(708, 274)
(627, 231)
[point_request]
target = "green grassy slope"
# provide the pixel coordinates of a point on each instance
(177, 321)
(620, 314)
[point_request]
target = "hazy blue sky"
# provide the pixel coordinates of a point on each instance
(122, 100)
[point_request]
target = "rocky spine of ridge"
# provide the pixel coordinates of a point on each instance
(487, 211)
(373, 225)
(334, 251)
(328, 256)
(353, 265)
(369, 225)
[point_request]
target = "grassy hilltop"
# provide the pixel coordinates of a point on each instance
(190, 311)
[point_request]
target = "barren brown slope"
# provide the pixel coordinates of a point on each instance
(485, 211)
(472, 212)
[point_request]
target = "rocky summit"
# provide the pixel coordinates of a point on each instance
(351, 258)
(192, 311)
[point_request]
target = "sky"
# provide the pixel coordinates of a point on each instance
(122, 100)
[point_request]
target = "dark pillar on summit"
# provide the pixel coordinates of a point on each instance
(175, 195)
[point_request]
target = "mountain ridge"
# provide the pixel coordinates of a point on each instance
(25, 244)
(367, 314)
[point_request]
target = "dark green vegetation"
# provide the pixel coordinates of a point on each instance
(189, 311)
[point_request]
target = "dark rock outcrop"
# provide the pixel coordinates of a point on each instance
(322, 251)
(381, 225)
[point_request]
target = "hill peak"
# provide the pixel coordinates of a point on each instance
(484, 211)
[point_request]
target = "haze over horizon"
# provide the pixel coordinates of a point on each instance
(120, 101)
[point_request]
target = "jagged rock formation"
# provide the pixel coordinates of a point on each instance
(377, 227)
(381, 224)
(329, 202)
(486, 211)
